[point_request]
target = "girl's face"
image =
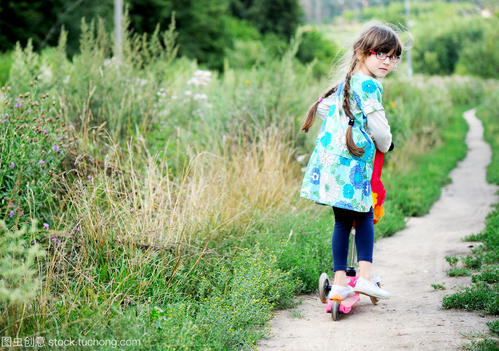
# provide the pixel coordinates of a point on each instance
(371, 65)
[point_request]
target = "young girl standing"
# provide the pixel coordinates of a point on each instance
(340, 168)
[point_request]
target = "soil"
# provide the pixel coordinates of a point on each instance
(408, 263)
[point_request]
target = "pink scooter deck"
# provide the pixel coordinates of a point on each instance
(347, 304)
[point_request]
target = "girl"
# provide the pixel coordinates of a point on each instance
(340, 168)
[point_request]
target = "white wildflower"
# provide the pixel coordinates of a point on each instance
(200, 97)
(45, 74)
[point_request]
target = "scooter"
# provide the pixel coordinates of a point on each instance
(335, 305)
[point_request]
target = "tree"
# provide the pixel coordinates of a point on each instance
(281, 17)
(200, 25)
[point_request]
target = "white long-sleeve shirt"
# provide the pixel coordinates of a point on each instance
(377, 124)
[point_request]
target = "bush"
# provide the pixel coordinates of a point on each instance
(438, 51)
(314, 47)
(480, 57)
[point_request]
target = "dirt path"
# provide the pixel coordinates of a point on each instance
(408, 263)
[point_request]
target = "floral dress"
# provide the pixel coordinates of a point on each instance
(333, 176)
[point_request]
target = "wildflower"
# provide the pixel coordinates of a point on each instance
(6, 115)
(46, 226)
(42, 162)
(200, 97)
(201, 78)
(21, 214)
(161, 92)
(28, 111)
(18, 105)
(11, 213)
(55, 240)
(45, 131)
(89, 177)
(12, 165)
(56, 148)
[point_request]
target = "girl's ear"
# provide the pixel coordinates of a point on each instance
(360, 55)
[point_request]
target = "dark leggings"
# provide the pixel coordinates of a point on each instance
(364, 236)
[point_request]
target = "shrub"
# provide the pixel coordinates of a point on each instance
(480, 57)
(314, 47)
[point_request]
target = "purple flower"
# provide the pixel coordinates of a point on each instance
(18, 105)
(46, 226)
(21, 214)
(42, 162)
(89, 177)
(11, 204)
(12, 165)
(28, 111)
(11, 213)
(45, 131)
(6, 115)
(55, 240)
(56, 148)
(59, 139)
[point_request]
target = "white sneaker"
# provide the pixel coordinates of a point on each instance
(341, 291)
(369, 288)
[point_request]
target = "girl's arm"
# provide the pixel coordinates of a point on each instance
(378, 127)
(324, 105)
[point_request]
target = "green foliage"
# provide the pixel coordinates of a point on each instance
(494, 327)
(438, 286)
(5, 63)
(19, 283)
(452, 260)
(486, 344)
(315, 48)
(458, 272)
(280, 17)
(34, 143)
(480, 297)
(464, 45)
(480, 57)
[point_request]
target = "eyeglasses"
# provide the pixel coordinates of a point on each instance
(382, 56)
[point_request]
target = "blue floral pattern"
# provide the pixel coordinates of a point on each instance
(315, 177)
(326, 139)
(369, 86)
(357, 176)
(333, 176)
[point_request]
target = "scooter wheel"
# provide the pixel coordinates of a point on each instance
(324, 287)
(335, 310)
(375, 300)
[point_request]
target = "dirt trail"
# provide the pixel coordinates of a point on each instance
(408, 263)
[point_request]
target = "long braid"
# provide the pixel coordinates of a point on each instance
(351, 146)
(313, 109)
